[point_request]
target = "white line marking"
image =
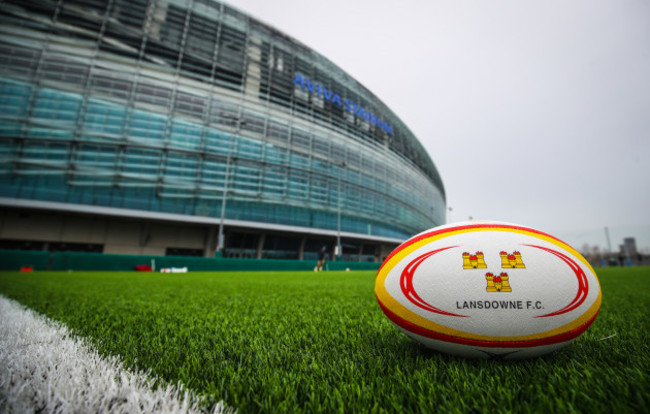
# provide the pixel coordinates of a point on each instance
(44, 368)
(608, 337)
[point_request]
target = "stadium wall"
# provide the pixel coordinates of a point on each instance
(64, 261)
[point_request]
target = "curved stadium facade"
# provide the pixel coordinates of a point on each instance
(155, 126)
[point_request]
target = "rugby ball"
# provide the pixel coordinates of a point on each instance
(488, 290)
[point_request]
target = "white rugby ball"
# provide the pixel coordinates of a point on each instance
(488, 289)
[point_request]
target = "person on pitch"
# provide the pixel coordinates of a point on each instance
(321, 259)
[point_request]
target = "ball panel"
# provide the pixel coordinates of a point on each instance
(470, 351)
(441, 231)
(487, 342)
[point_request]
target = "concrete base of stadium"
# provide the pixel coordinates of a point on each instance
(110, 231)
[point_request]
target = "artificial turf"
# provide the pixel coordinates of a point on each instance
(318, 342)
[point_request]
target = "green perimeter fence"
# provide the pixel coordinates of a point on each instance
(42, 260)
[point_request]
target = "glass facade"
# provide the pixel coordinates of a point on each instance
(192, 107)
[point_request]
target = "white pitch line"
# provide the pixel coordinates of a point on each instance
(44, 368)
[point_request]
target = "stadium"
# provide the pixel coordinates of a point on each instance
(188, 128)
(188, 133)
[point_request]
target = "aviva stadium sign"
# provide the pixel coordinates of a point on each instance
(333, 97)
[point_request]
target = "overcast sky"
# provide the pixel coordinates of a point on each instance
(535, 112)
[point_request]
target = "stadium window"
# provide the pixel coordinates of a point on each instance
(318, 102)
(241, 245)
(301, 94)
(96, 5)
(216, 142)
(102, 118)
(121, 42)
(369, 253)
(276, 83)
(39, 153)
(153, 94)
(159, 50)
(74, 16)
(15, 57)
(39, 8)
(253, 122)
(172, 30)
(281, 247)
(109, 84)
(298, 186)
(8, 150)
(301, 139)
(54, 106)
(141, 164)
(274, 182)
(184, 135)
(180, 168)
(350, 252)
(313, 246)
(131, 12)
(201, 36)
(278, 131)
(230, 56)
(180, 251)
(226, 114)
(93, 156)
(21, 245)
(76, 247)
(196, 68)
(338, 153)
(275, 155)
(249, 149)
(321, 146)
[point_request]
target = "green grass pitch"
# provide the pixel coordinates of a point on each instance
(318, 342)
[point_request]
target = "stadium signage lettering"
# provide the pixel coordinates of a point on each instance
(331, 96)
